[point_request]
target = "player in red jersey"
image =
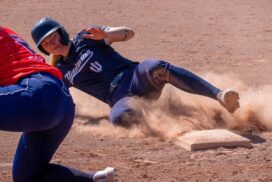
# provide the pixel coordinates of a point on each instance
(35, 101)
(18, 59)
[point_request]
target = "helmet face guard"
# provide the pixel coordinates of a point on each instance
(44, 27)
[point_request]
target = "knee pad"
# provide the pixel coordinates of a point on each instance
(159, 74)
(125, 119)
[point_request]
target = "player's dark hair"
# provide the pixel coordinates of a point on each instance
(44, 27)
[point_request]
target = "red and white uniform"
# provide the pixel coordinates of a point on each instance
(18, 60)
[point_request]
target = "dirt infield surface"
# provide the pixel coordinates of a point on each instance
(229, 42)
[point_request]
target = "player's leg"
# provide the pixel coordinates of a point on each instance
(43, 131)
(160, 72)
(36, 149)
(123, 114)
(190, 82)
(34, 152)
(44, 112)
(29, 105)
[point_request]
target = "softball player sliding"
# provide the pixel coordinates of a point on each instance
(35, 101)
(89, 63)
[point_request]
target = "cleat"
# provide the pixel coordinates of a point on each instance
(106, 175)
(229, 99)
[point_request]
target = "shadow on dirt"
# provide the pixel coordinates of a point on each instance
(89, 120)
(254, 138)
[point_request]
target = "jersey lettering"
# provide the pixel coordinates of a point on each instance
(79, 65)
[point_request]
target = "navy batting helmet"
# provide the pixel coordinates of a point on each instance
(44, 27)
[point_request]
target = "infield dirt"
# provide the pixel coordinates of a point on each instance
(228, 42)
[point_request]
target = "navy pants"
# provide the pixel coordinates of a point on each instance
(147, 80)
(41, 107)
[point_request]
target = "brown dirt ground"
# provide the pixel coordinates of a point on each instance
(222, 38)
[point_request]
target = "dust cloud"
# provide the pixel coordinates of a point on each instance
(177, 112)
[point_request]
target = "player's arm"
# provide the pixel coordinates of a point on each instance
(109, 34)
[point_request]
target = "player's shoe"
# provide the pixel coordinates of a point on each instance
(106, 175)
(229, 99)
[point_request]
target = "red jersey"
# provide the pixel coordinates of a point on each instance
(18, 60)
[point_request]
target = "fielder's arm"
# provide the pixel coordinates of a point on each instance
(110, 34)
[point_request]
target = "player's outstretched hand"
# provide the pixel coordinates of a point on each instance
(95, 33)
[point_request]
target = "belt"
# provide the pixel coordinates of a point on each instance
(116, 80)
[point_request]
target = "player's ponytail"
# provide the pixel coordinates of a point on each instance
(54, 60)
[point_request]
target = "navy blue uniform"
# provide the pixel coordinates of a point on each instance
(91, 65)
(96, 68)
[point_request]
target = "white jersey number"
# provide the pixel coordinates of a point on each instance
(96, 67)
